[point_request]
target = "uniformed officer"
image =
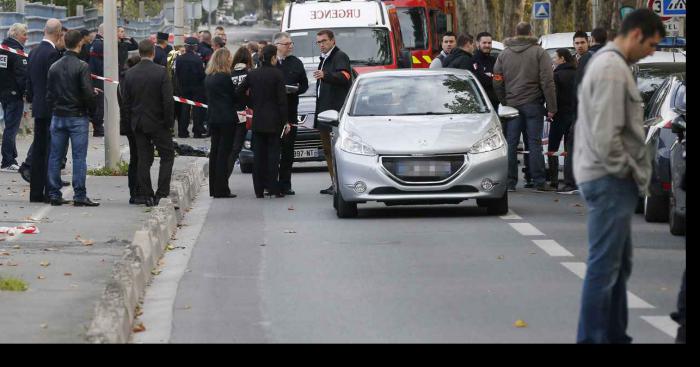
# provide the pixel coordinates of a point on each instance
(13, 72)
(189, 72)
(162, 49)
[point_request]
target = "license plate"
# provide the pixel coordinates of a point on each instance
(423, 168)
(306, 153)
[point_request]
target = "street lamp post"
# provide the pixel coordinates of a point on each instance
(111, 70)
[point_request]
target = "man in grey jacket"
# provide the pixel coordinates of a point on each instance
(523, 79)
(612, 167)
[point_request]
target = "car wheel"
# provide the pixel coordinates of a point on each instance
(344, 209)
(494, 206)
(246, 167)
(676, 222)
(656, 209)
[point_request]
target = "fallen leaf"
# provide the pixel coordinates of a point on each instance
(532, 253)
(44, 326)
(161, 262)
(87, 242)
(155, 271)
(520, 324)
(67, 274)
(139, 328)
(262, 244)
(499, 257)
(44, 263)
(50, 249)
(41, 277)
(187, 307)
(290, 208)
(74, 286)
(170, 247)
(556, 200)
(577, 205)
(12, 264)
(290, 231)
(4, 254)
(16, 247)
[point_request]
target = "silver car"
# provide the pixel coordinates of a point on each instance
(418, 137)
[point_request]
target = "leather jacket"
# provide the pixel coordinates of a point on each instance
(69, 92)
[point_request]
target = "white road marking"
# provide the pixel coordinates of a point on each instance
(552, 248)
(663, 323)
(160, 296)
(511, 216)
(577, 268)
(633, 301)
(526, 229)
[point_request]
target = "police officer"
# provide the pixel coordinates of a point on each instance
(294, 75)
(13, 71)
(97, 67)
(162, 49)
(189, 71)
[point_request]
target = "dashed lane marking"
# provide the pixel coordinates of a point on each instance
(552, 248)
(633, 301)
(526, 229)
(663, 323)
(511, 216)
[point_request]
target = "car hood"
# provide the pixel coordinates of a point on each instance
(440, 134)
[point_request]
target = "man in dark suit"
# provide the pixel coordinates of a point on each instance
(97, 67)
(294, 75)
(162, 49)
(333, 81)
(189, 71)
(40, 60)
(147, 101)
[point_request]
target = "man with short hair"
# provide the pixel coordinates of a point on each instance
(449, 40)
(221, 32)
(147, 101)
(189, 72)
(97, 67)
(70, 96)
(523, 78)
(218, 43)
(40, 60)
(580, 44)
(85, 48)
(253, 48)
(162, 49)
(483, 63)
(599, 37)
(13, 83)
(294, 75)
(461, 57)
(333, 81)
(613, 167)
(205, 51)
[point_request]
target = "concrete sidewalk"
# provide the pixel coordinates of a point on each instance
(70, 262)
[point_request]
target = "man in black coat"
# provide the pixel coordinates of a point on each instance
(40, 60)
(124, 45)
(483, 63)
(333, 81)
(162, 49)
(13, 72)
(189, 71)
(294, 75)
(97, 67)
(461, 57)
(85, 49)
(147, 101)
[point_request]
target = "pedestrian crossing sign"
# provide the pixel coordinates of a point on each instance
(540, 10)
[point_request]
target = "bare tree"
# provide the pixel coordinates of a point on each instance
(513, 11)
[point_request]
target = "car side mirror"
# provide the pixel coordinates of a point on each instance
(329, 117)
(678, 125)
(405, 59)
(506, 112)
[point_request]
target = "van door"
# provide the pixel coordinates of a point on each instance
(402, 56)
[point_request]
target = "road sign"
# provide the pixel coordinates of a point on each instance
(673, 8)
(656, 6)
(673, 27)
(210, 5)
(540, 10)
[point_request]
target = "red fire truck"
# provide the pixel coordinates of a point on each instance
(422, 23)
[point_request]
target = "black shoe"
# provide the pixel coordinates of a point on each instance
(289, 192)
(85, 202)
(198, 136)
(98, 134)
(279, 195)
(227, 196)
(259, 196)
(59, 201)
(568, 190)
(183, 136)
(40, 200)
(150, 201)
(65, 183)
(511, 187)
(529, 185)
(25, 171)
(328, 191)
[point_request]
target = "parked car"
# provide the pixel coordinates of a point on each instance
(651, 71)
(676, 216)
(307, 147)
(659, 115)
(227, 20)
(393, 145)
(248, 20)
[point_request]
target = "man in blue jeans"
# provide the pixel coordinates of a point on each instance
(612, 167)
(13, 76)
(71, 97)
(523, 79)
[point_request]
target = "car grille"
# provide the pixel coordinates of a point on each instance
(394, 191)
(423, 170)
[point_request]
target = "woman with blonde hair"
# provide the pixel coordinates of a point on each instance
(222, 99)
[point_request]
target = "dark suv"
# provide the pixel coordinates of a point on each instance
(307, 147)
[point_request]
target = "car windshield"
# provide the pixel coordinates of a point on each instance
(413, 25)
(651, 76)
(405, 96)
(367, 46)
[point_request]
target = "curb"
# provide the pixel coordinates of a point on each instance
(115, 311)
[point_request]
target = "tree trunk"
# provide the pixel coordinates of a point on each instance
(513, 11)
(581, 13)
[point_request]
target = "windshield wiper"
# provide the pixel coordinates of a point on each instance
(365, 62)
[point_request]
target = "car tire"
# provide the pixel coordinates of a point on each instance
(247, 167)
(676, 222)
(656, 209)
(494, 206)
(344, 209)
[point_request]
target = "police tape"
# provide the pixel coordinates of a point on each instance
(177, 99)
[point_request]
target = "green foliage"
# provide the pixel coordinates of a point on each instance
(13, 284)
(122, 170)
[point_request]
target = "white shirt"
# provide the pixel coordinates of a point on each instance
(327, 54)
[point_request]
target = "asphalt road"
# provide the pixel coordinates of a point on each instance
(288, 270)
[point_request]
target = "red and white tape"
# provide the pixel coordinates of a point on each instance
(19, 230)
(177, 99)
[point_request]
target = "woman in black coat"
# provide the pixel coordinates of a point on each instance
(242, 65)
(222, 100)
(565, 82)
(268, 99)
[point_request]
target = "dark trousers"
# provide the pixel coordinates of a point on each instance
(12, 111)
(198, 116)
(163, 142)
(133, 166)
(560, 128)
(238, 141)
(99, 114)
(266, 151)
(530, 121)
(569, 179)
(680, 314)
(222, 137)
(38, 188)
(287, 159)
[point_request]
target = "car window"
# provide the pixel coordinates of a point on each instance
(413, 23)
(679, 98)
(657, 100)
(651, 76)
(397, 96)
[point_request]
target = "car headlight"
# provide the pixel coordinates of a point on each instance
(492, 141)
(353, 144)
